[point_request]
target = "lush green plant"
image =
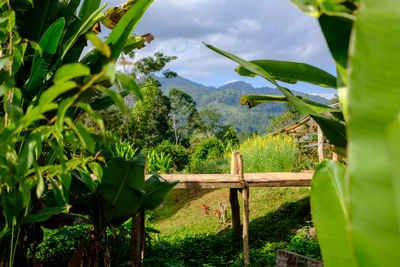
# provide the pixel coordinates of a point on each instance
(159, 162)
(269, 154)
(43, 91)
(304, 244)
(180, 155)
(123, 150)
(205, 151)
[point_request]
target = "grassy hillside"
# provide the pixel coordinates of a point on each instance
(191, 233)
(226, 100)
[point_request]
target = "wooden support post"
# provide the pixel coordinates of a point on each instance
(233, 197)
(335, 156)
(138, 234)
(321, 154)
(135, 240)
(245, 195)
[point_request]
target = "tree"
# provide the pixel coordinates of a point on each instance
(211, 121)
(149, 117)
(145, 68)
(184, 116)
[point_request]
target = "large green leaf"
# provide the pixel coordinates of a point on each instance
(70, 71)
(330, 214)
(81, 28)
(254, 100)
(129, 84)
(88, 8)
(44, 214)
(337, 31)
(156, 189)
(54, 91)
(120, 187)
(292, 72)
(67, 9)
(118, 37)
(36, 18)
(83, 134)
(41, 64)
(374, 103)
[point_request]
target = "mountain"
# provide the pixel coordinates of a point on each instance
(226, 100)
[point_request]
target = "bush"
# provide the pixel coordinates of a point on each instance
(159, 162)
(179, 154)
(206, 151)
(302, 243)
(269, 154)
(213, 166)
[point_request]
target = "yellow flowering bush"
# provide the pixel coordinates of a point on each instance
(269, 154)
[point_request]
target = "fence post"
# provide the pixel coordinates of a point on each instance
(321, 154)
(245, 195)
(335, 156)
(233, 197)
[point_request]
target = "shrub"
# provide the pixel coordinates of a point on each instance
(159, 162)
(269, 154)
(302, 243)
(213, 166)
(205, 151)
(179, 154)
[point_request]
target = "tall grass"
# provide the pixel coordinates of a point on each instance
(269, 154)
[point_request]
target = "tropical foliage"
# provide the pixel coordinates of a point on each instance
(353, 208)
(45, 85)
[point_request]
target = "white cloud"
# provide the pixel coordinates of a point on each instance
(252, 29)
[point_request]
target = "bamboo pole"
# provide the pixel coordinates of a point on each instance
(245, 195)
(233, 197)
(321, 155)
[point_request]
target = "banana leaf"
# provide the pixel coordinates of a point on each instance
(292, 72)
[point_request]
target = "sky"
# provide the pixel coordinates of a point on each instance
(251, 29)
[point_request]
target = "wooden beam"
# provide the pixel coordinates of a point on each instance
(214, 181)
(233, 194)
(321, 154)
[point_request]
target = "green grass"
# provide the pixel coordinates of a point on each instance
(190, 237)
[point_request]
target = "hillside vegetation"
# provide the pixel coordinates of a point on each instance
(226, 100)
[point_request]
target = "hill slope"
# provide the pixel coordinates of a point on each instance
(226, 100)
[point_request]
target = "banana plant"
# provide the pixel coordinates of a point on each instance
(44, 86)
(112, 193)
(354, 208)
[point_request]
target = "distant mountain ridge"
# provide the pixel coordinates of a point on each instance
(226, 100)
